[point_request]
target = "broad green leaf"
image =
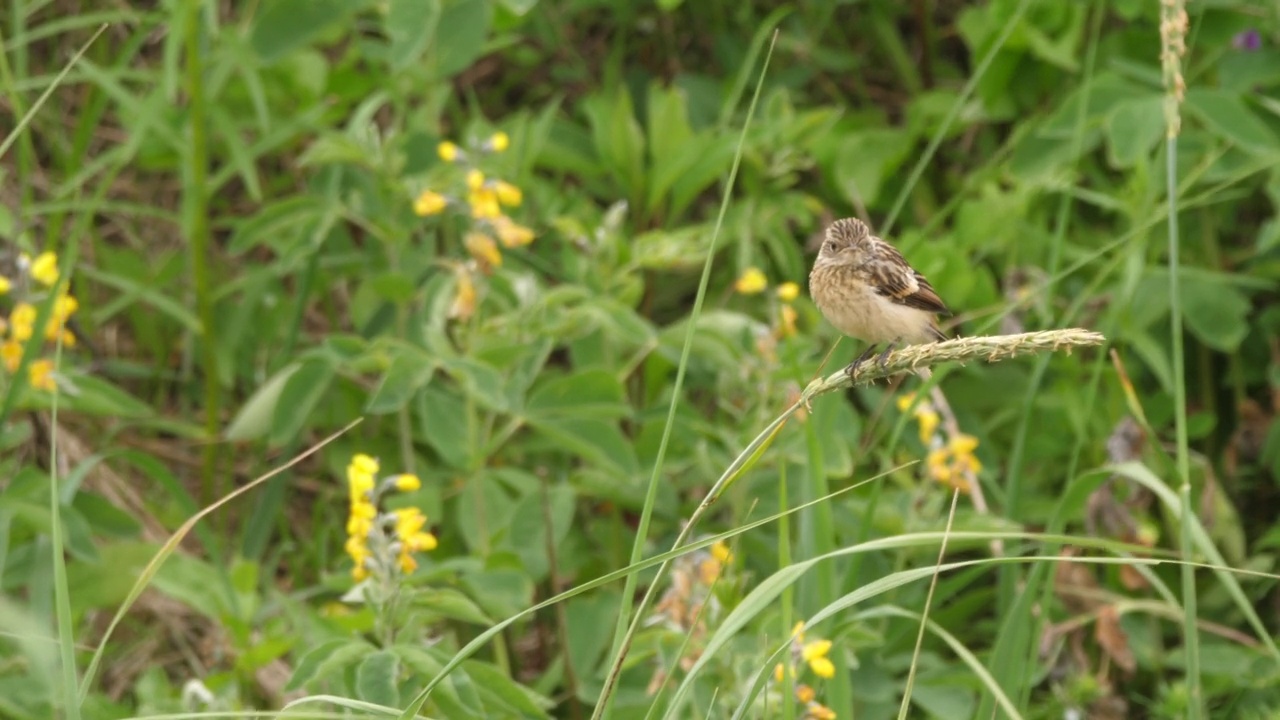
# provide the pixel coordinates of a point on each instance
(495, 685)
(326, 658)
(410, 369)
(255, 417)
(299, 396)
(593, 393)
(95, 396)
(866, 159)
(1227, 114)
(465, 25)
(411, 25)
(1133, 129)
(442, 422)
(284, 25)
(528, 534)
(376, 678)
(479, 380)
(1217, 313)
(447, 697)
(599, 441)
(452, 604)
(618, 139)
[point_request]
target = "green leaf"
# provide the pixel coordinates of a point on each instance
(325, 659)
(866, 159)
(442, 421)
(411, 25)
(496, 686)
(298, 397)
(593, 393)
(410, 369)
(618, 140)
(256, 415)
(600, 442)
(479, 380)
(1133, 129)
(1227, 114)
(452, 604)
(1216, 313)
(466, 24)
(376, 678)
(94, 396)
(285, 25)
(527, 536)
(452, 703)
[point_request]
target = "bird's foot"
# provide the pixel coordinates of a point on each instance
(884, 356)
(853, 366)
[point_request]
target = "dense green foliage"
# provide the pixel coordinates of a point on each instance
(479, 227)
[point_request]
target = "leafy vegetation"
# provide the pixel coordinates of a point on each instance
(376, 358)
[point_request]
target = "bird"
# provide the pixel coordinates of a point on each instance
(867, 290)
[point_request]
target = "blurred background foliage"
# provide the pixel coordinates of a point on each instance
(266, 239)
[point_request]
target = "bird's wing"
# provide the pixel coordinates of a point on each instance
(894, 279)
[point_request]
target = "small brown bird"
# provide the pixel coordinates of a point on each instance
(866, 289)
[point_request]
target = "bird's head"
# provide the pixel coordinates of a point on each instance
(845, 243)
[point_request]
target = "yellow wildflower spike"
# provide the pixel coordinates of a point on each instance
(499, 141)
(448, 151)
(751, 282)
(45, 268)
(788, 292)
(429, 203)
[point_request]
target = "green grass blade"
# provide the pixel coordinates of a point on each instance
(623, 633)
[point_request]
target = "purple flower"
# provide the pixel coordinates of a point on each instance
(1249, 40)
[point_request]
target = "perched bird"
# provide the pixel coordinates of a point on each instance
(866, 289)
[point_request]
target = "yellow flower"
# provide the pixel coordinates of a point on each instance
(499, 141)
(484, 203)
(11, 354)
(805, 694)
(45, 268)
(407, 482)
(815, 653)
(751, 282)
(429, 203)
(464, 297)
(22, 320)
(5, 285)
(787, 321)
(963, 444)
(448, 151)
(42, 375)
(508, 194)
(817, 711)
(788, 292)
(904, 401)
(778, 672)
(720, 551)
(475, 179)
(409, 524)
(510, 233)
(928, 425)
(484, 249)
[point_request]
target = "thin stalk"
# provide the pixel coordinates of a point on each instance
(196, 200)
(622, 631)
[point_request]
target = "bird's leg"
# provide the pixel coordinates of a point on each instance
(859, 360)
(884, 356)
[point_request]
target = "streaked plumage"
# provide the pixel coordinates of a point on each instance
(866, 289)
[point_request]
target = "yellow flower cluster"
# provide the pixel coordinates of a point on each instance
(814, 654)
(950, 462)
(689, 605)
(485, 199)
(954, 463)
(20, 325)
(752, 282)
(924, 414)
(382, 543)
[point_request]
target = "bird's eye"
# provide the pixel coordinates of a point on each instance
(830, 246)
